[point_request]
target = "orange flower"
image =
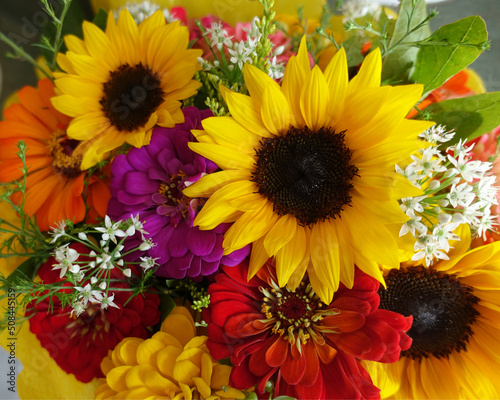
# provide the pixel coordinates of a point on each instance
(55, 186)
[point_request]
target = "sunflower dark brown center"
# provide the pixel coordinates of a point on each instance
(305, 173)
(131, 95)
(442, 309)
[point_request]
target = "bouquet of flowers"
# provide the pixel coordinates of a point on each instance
(251, 201)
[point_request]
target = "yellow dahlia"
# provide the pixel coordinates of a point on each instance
(173, 364)
(308, 170)
(455, 304)
(118, 84)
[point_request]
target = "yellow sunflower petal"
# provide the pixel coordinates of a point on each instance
(275, 111)
(248, 228)
(369, 75)
(222, 157)
(210, 183)
(217, 208)
(293, 80)
(291, 255)
(257, 81)
(337, 78)
(244, 110)
(226, 131)
(280, 234)
(315, 99)
(325, 253)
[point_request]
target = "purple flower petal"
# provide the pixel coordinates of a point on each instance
(195, 267)
(236, 256)
(208, 268)
(178, 244)
(139, 183)
(217, 251)
(201, 243)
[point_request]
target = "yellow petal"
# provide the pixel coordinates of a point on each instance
(337, 78)
(217, 208)
(210, 183)
(223, 157)
(275, 111)
(257, 81)
(280, 234)
(292, 255)
(293, 81)
(325, 253)
(249, 227)
(245, 110)
(369, 74)
(315, 99)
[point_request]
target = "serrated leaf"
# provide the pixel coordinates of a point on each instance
(397, 64)
(101, 19)
(449, 50)
(470, 117)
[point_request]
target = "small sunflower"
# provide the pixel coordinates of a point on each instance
(455, 304)
(122, 82)
(308, 169)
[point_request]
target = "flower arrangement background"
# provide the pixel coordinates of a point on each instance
(276, 208)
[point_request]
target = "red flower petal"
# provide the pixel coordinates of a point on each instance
(355, 343)
(293, 369)
(277, 352)
(346, 321)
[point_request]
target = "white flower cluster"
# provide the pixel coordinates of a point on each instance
(91, 277)
(142, 10)
(240, 52)
(457, 190)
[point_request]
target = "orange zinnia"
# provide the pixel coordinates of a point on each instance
(56, 188)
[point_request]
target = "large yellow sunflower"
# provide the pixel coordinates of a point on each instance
(455, 305)
(120, 83)
(308, 170)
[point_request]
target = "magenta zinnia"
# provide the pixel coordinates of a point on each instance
(308, 348)
(148, 182)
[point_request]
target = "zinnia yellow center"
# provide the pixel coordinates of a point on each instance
(442, 308)
(294, 312)
(306, 173)
(131, 95)
(64, 161)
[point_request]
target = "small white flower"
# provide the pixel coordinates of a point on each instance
(148, 262)
(86, 294)
(110, 230)
(102, 285)
(127, 272)
(146, 245)
(105, 300)
(78, 308)
(105, 261)
(66, 256)
(240, 54)
(82, 236)
(437, 134)
(58, 231)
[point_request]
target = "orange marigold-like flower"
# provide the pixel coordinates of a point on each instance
(56, 187)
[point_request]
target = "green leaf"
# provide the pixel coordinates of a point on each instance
(167, 304)
(402, 54)
(101, 19)
(470, 117)
(27, 270)
(449, 50)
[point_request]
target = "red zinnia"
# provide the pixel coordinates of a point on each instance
(78, 344)
(311, 350)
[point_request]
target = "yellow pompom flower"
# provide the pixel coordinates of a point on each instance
(118, 84)
(308, 170)
(173, 364)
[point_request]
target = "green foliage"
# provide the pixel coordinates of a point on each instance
(400, 54)
(449, 50)
(101, 19)
(470, 117)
